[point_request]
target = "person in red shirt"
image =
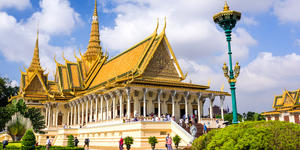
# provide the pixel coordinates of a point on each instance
(121, 143)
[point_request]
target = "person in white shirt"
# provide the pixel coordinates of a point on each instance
(48, 143)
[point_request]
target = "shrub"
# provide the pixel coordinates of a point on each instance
(28, 141)
(176, 140)
(71, 141)
(128, 141)
(152, 140)
(252, 135)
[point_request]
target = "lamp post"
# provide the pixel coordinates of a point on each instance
(227, 19)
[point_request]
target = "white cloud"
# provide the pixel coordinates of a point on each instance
(18, 38)
(250, 21)
(287, 10)
(18, 4)
(57, 16)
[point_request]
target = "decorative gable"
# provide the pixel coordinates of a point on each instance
(35, 86)
(162, 65)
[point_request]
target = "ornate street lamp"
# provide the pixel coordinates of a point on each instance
(227, 19)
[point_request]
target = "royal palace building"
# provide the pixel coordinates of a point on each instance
(104, 99)
(287, 107)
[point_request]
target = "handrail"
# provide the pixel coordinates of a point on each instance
(181, 129)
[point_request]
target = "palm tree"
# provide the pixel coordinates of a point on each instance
(17, 126)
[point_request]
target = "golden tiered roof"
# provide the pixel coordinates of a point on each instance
(149, 63)
(35, 62)
(288, 101)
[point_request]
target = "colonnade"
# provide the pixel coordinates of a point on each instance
(98, 107)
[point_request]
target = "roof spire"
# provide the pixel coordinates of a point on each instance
(94, 49)
(226, 7)
(95, 9)
(35, 62)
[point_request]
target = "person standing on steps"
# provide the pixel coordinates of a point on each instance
(121, 143)
(76, 141)
(169, 143)
(86, 143)
(48, 143)
(168, 136)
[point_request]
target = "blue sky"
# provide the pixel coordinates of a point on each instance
(266, 41)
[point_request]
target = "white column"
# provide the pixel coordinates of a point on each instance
(202, 106)
(128, 102)
(173, 93)
(75, 113)
(222, 98)
(56, 116)
(144, 99)
(86, 110)
(49, 115)
(82, 111)
(199, 106)
(158, 99)
(96, 109)
(186, 96)
(211, 98)
(68, 119)
(101, 107)
(78, 112)
(91, 110)
(114, 105)
(71, 118)
(46, 115)
(106, 100)
(121, 103)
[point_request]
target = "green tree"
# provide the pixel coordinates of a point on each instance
(17, 126)
(252, 135)
(229, 117)
(6, 90)
(6, 113)
(128, 141)
(28, 141)
(37, 119)
(252, 116)
(70, 141)
(152, 140)
(34, 114)
(176, 140)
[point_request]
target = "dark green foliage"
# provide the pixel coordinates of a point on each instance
(71, 141)
(6, 113)
(28, 141)
(128, 141)
(6, 90)
(152, 140)
(34, 114)
(176, 140)
(229, 117)
(252, 135)
(252, 116)
(37, 119)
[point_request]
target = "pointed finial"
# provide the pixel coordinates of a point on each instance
(95, 9)
(222, 88)
(75, 55)
(226, 7)
(164, 29)
(155, 31)
(208, 82)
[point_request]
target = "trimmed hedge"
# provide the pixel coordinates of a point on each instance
(28, 141)
(70, 141)
(252, 135)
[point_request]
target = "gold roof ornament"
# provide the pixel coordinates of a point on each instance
(226, 7)
(35, 62)
(94, 49)
(226, 14)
